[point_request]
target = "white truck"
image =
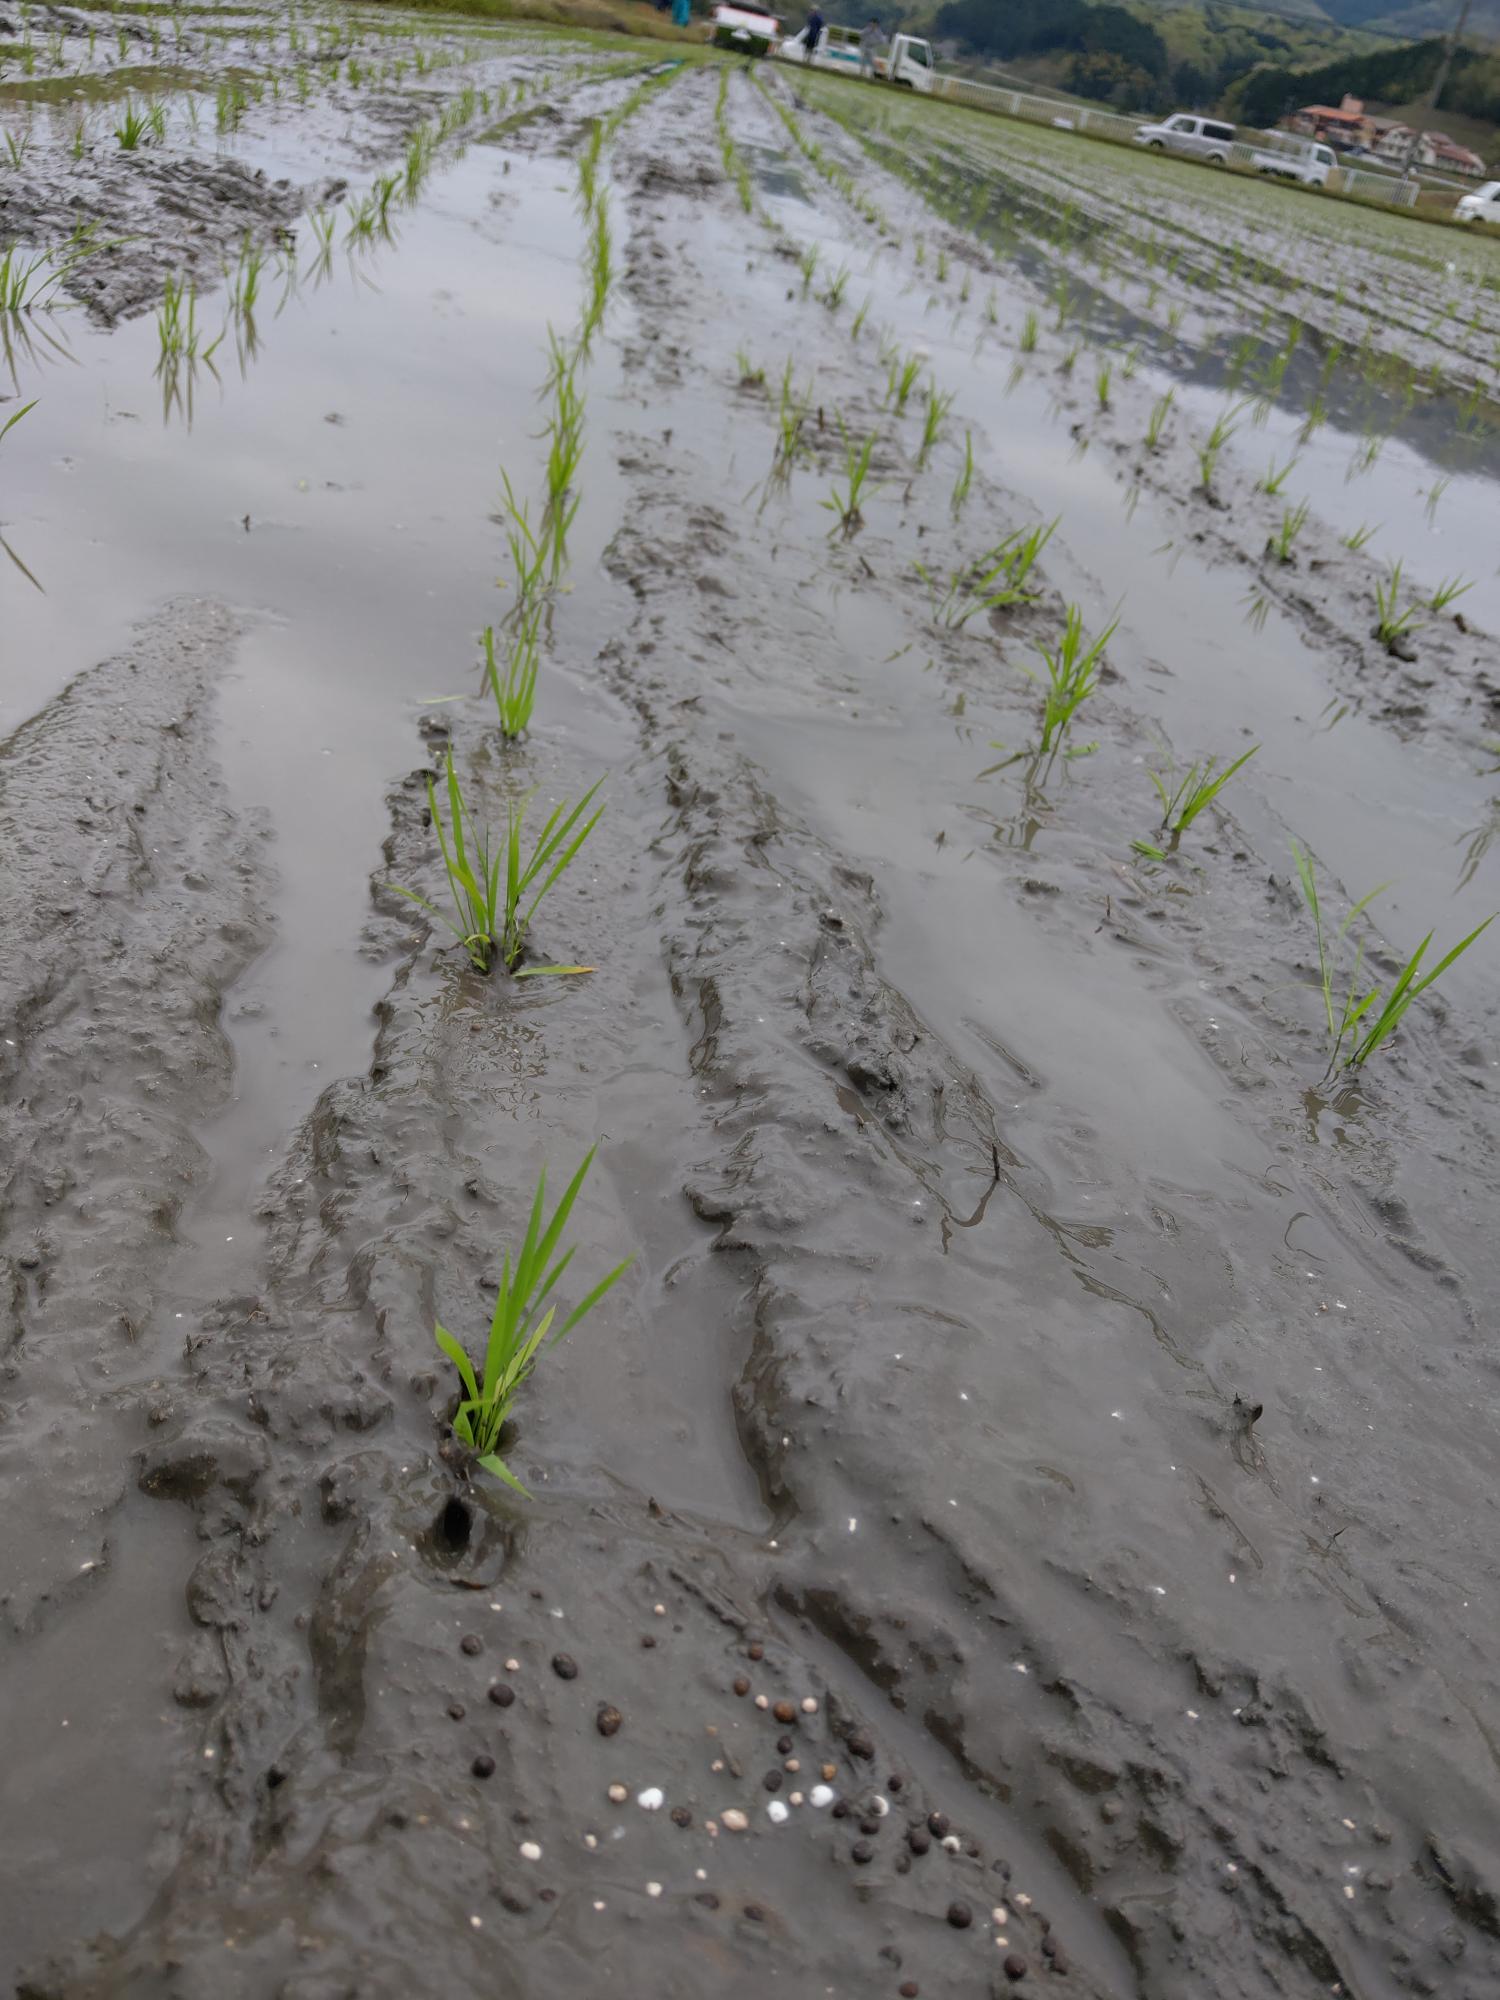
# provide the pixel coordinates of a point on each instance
(1294, 158)
(906, 61)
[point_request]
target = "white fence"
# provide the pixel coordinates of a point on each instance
(1110, 125)
(1039, 110)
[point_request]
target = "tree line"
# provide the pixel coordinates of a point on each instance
(1116, 58)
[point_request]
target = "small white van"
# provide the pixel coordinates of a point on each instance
(1197, 138)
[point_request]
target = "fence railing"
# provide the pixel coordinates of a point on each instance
(1110, 125)
(1379, 187)
(1039, 110)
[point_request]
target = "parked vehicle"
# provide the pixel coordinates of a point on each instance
(837, 48)
(1196, 138)
(1483, 205)
(907, 62)
(741, 25)
(1297, 159)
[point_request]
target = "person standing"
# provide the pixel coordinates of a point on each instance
(872, 41)
(812, 33)
(682, 13)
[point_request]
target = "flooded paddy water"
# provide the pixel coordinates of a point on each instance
(1024, 1518)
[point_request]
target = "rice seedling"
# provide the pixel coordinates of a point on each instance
(15, 417)
(751, 377)
(1392, 624)
(474, 882)
(588, 158)
(177, 323)
(244, 286)
(366, 222)
(808, 265)
(1182, 799)
(600, 274)
(1446, 592)
(156, 118)
(322, 222)
(845, 502)
(790, 419)
(1357, 537)
(1276, 477)
(418, 161)
(1157, 420)
(132, 128)
(553, 852)
(514, 685)
(1030, 329)
(564, 455)
(1208, 454)
(1346, 1018)
(1072, 676)
(965, 477)
(992, 582)
(1101, 385)
(1292, 522)
(521, 1328)
(838, 284)
(493, 915)
(936, 411)
(26, 283)
(941, 267)
(902, 380)
(859, 320)
(231, 102)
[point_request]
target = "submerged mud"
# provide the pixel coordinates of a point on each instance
(1013, 1528)
(158, 218)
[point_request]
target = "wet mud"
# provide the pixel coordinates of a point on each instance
(1021, 1524)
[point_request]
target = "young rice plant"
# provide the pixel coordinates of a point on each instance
(524, 1322)
(1182, 801)
(1351, 1041)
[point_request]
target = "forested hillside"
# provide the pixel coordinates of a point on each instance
(1255, 64)
(1143, 53)
(1400, 75)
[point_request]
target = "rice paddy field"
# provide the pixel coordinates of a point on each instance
(949, 672)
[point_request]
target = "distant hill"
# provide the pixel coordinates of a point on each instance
(1399, 76)
(1252, 63)
(1405, 20)
(1416, 17)
(1148, 54)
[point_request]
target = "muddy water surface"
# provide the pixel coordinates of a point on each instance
(1021, 1520)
